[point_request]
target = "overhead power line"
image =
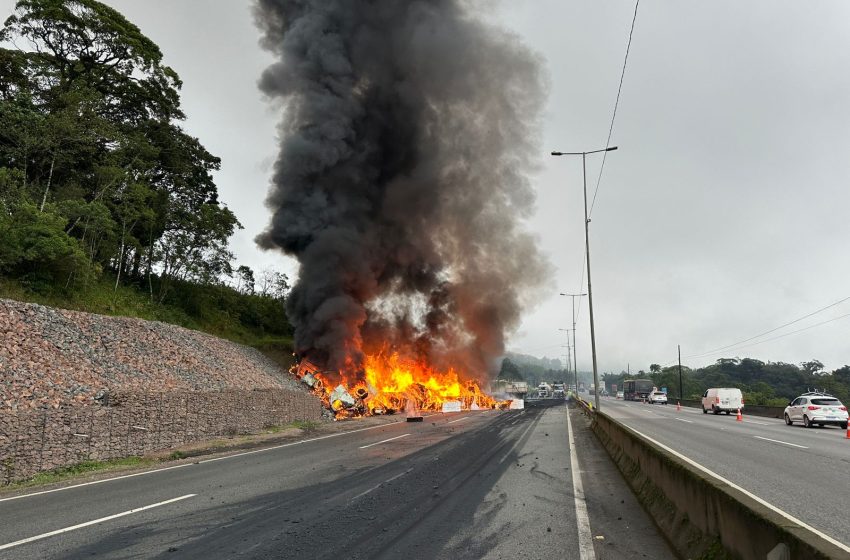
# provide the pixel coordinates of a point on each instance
(728, 346)
(795, 332)
(616, 105)
(610, 132)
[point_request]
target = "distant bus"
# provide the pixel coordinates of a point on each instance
(636, 389)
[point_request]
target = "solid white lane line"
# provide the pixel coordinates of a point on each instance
(766, 504)
(458, 420)
(263, 450)
(585, 537)
(387, 481)
(782, 442)
(384, 441)
(683, 420)
(95, 482)
(94, 522)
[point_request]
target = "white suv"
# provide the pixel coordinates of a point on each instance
(657, 397)
(816, 408)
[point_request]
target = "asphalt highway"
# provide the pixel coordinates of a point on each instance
(804, 472)
(467, 485)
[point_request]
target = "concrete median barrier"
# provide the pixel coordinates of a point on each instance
(701, 514)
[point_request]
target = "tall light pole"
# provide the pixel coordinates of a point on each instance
(587, 253)
(569, 354)
(575, 350)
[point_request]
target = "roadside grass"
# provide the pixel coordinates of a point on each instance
(86, 467)
(102, 297)
(306, 425)
(95, 467)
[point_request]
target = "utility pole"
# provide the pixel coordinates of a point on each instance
(569, 355)
(587, 253)
(680, 372)
(575, 351)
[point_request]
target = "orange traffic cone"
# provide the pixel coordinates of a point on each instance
(740, 417)
(678, 406)
(848, 431)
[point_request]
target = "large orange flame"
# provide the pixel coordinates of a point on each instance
(391, 383)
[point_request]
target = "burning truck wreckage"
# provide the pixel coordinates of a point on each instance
(389, 384)
(407, 137)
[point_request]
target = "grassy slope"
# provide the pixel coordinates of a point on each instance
(102, 298)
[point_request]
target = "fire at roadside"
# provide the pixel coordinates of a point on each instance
(391, 384)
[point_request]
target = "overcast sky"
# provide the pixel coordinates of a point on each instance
(725, 212)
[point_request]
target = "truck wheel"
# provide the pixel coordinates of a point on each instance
(704, 411)
(788, 420)
(843, 425)
(727, 413)
(715, 410)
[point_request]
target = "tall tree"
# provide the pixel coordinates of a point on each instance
(89, 132)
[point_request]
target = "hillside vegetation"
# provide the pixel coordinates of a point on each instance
(771, 383)
(106, 203)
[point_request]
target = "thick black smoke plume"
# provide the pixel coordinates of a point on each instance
(408, 133)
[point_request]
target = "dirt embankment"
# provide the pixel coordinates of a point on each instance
(52, 358)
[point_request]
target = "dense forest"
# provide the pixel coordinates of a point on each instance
(533, 370)
(771, 383)
(106, 203)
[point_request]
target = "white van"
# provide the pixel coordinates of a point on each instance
(722, 400)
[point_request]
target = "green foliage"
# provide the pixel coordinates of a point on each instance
(770, 384)
(89, 134)
(106, 204)
(536, 370)
(510, 371)
(216, 309)
(37, 250)
(85, 467)
(306, 425)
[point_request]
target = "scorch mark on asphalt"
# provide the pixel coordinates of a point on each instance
(387, 481)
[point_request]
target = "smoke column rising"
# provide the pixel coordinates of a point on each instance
(408, 133)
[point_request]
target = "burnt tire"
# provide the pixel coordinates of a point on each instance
(788, 420)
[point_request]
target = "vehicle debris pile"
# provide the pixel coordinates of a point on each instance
(390, 384)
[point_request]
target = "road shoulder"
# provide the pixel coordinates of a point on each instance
(619, 525)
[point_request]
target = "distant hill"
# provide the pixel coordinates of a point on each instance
(527, 360)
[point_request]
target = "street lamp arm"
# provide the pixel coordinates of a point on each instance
(587, 254)
(609, 149)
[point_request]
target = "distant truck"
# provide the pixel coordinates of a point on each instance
(544, 390)
(558, 391)
(518, 388)
(637, 389)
